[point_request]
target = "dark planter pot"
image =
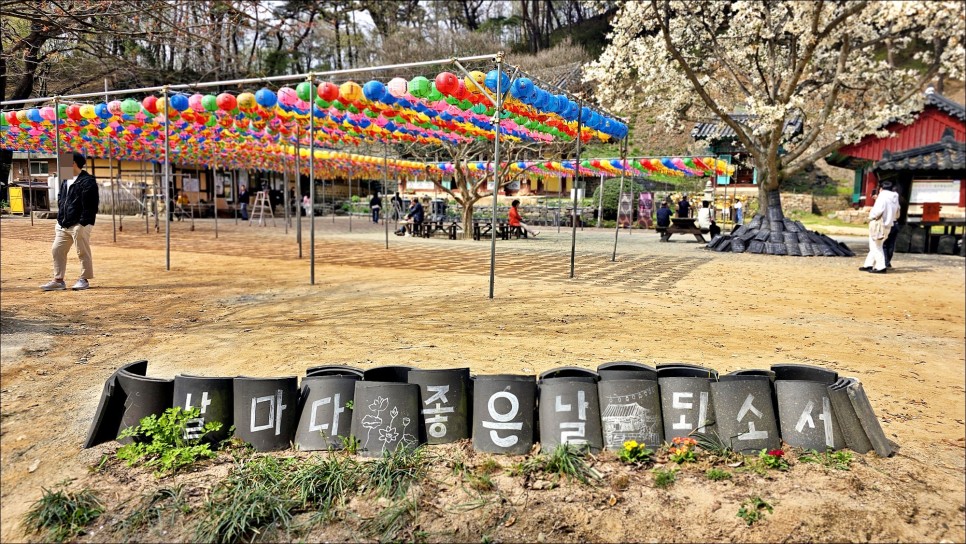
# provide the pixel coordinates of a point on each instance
(110, 409)
(806, 416)
(630, 410)
(266, 411)
(686, 403)
(806, 373)
(213, 397)
(744, 413)
(860, 426)
(626, 370)
(144, 397)
(325, 415)
(569, 412)
(445, 404)
(569, 372)
(334, 370)
(388, 373)
(503, 409)
(385, 417)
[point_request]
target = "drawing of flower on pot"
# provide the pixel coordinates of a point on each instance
(390, 434)
(373, 421)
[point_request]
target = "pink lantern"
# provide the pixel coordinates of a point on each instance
(287, 96)
(398, 87)
(194, 102)
(114, 106)
(47, 113)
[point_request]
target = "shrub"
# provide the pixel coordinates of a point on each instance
(160, 441)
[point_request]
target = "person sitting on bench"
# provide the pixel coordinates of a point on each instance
(515, 220)
(414, 218)
(663, 216)
(704, 216)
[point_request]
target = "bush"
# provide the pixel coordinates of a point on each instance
(160, 441)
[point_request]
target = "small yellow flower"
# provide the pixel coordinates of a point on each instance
(630, 445)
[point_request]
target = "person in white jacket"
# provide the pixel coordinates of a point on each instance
(885, 212)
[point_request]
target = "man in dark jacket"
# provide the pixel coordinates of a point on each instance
(414, 218)
(76, 211)
(243, 198)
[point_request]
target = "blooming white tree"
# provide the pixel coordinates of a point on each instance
(843, 68)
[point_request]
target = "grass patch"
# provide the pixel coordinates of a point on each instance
(837, 460)
(326, 482)
(716, 474)
(564, 460)
(394, 473)
(253, 497)
(753, 510)
(61, 515)
(160, 443)
(664, 478)
(391, 521)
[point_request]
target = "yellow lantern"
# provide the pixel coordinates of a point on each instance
(350, 91)
(479, 78)
(87, 111)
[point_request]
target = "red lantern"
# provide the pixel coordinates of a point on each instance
(12, 117)
(226, 102)
(328, 91)
(150, 103)
(73, 112)
(461, 91)
(447, 83)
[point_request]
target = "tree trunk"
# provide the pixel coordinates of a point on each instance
(467, 220)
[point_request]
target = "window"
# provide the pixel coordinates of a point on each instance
(39, 168)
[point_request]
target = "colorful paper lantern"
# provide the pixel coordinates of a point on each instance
(447, 83)
(419, 87)
(328, 91)
(150, 104)
(226, 102)
(210, 102)
(374, 91)
(266, 98)
(491, 79)
(350, 91)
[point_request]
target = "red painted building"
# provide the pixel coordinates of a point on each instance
(940, 117)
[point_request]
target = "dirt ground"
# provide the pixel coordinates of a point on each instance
(243, 304)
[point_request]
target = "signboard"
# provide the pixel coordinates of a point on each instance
(625, 210)
(645, 209)
(940, 190)
(424, 185)
(16, 200)
(189, 185)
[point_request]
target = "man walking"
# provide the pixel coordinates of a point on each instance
(76, 211)
(243, 198)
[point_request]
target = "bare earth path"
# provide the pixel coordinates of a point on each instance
(242, 304)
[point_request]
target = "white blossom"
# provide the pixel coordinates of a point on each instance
(826, 63)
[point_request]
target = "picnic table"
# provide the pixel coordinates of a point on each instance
(682, 225)
(482, 227)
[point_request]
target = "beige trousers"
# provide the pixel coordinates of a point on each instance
(78, 236)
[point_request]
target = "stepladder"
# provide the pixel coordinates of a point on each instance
(261, 209)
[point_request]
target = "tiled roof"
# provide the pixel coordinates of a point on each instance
(717, 130)
(947, 154)
(946, 105)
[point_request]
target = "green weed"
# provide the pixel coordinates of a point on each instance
(664, 478)
(391, 521)
(254, 496)
(564, 460)
(838, 460)
(350, 444)
(716, 474)
(324, 483)
(392, 474)
(753, 510)
(159, 442)
(773, 459)
(62, 514)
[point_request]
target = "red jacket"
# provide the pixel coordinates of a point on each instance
(514, 217)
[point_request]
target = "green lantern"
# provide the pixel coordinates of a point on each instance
(434, 95)
(419, 87)
(209, 102)
(304, 90)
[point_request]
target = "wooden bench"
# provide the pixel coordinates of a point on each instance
(682, 225)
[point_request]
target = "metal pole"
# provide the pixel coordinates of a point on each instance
(234, 192)
(167, 183)
(30, 190)
(56, 150)
(312, 188)
(385, 183)
(110, 162)
(186, 86)
(573, 216)
(559, 202)
(285, 202)
(600, 204)
(496, 168)
(144, 194)
(298, 184)
(620, 194)
(350, 201)
(214, 200)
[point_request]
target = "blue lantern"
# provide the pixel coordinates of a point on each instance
(266, 98)
(374, 91)
(491, 80)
